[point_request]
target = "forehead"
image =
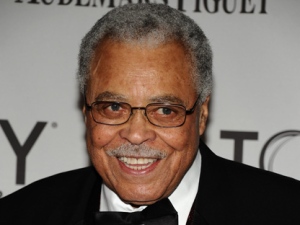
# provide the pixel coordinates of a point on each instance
(134, 69)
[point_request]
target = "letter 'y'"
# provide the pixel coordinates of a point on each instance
(21, 151)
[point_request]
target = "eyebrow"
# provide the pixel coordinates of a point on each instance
(171, 99)
(166, 99)
(110, 96)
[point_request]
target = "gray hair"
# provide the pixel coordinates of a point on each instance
(152, 24)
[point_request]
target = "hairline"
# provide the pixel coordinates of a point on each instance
(190, 35)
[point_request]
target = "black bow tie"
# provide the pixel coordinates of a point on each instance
(159, 213)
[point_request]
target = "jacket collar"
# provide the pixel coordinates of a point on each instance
(208, 202)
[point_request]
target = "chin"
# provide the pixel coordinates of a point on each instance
(137, 203)
(139, 199)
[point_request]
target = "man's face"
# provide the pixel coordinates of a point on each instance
(140, 75)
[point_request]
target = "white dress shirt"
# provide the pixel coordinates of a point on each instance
(182, 198)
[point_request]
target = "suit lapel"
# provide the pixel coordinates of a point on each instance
(208, 202)
(79, 203)
(93, 202)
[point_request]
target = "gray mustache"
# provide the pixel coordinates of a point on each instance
(138, 151)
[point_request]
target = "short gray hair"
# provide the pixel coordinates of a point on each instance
(157, 23)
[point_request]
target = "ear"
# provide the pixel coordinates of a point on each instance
(203, 115)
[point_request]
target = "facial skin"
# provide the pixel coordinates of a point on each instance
(140, 75)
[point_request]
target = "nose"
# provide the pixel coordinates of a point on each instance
(138, 129)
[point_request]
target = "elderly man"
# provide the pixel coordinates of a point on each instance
(145, 71)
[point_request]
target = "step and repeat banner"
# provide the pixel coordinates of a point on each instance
(254, 109)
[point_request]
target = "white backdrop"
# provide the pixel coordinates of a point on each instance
(256, 76)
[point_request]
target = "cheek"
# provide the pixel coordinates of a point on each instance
(181, 138)
(99, 137)
(182, 145)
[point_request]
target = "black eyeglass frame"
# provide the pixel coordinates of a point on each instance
(187, 111)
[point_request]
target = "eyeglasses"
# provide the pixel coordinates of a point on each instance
(159, 114)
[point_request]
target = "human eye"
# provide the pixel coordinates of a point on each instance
(165, 115)
(164, 110)
(111, 108)
(114, 106)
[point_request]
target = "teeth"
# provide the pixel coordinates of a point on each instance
(135, 161)
(137, 164)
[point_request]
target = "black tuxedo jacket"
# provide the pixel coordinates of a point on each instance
(229, 193)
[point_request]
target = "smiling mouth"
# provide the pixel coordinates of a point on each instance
(137, 163)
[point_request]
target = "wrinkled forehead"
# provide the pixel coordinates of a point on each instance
(136, 64)
(147, 44)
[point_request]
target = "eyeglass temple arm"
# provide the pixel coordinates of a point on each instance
(190, 111)
(87, 106)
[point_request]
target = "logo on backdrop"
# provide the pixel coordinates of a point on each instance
(21, 151)
(200, 6)
(270, 149)
(276, 143)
